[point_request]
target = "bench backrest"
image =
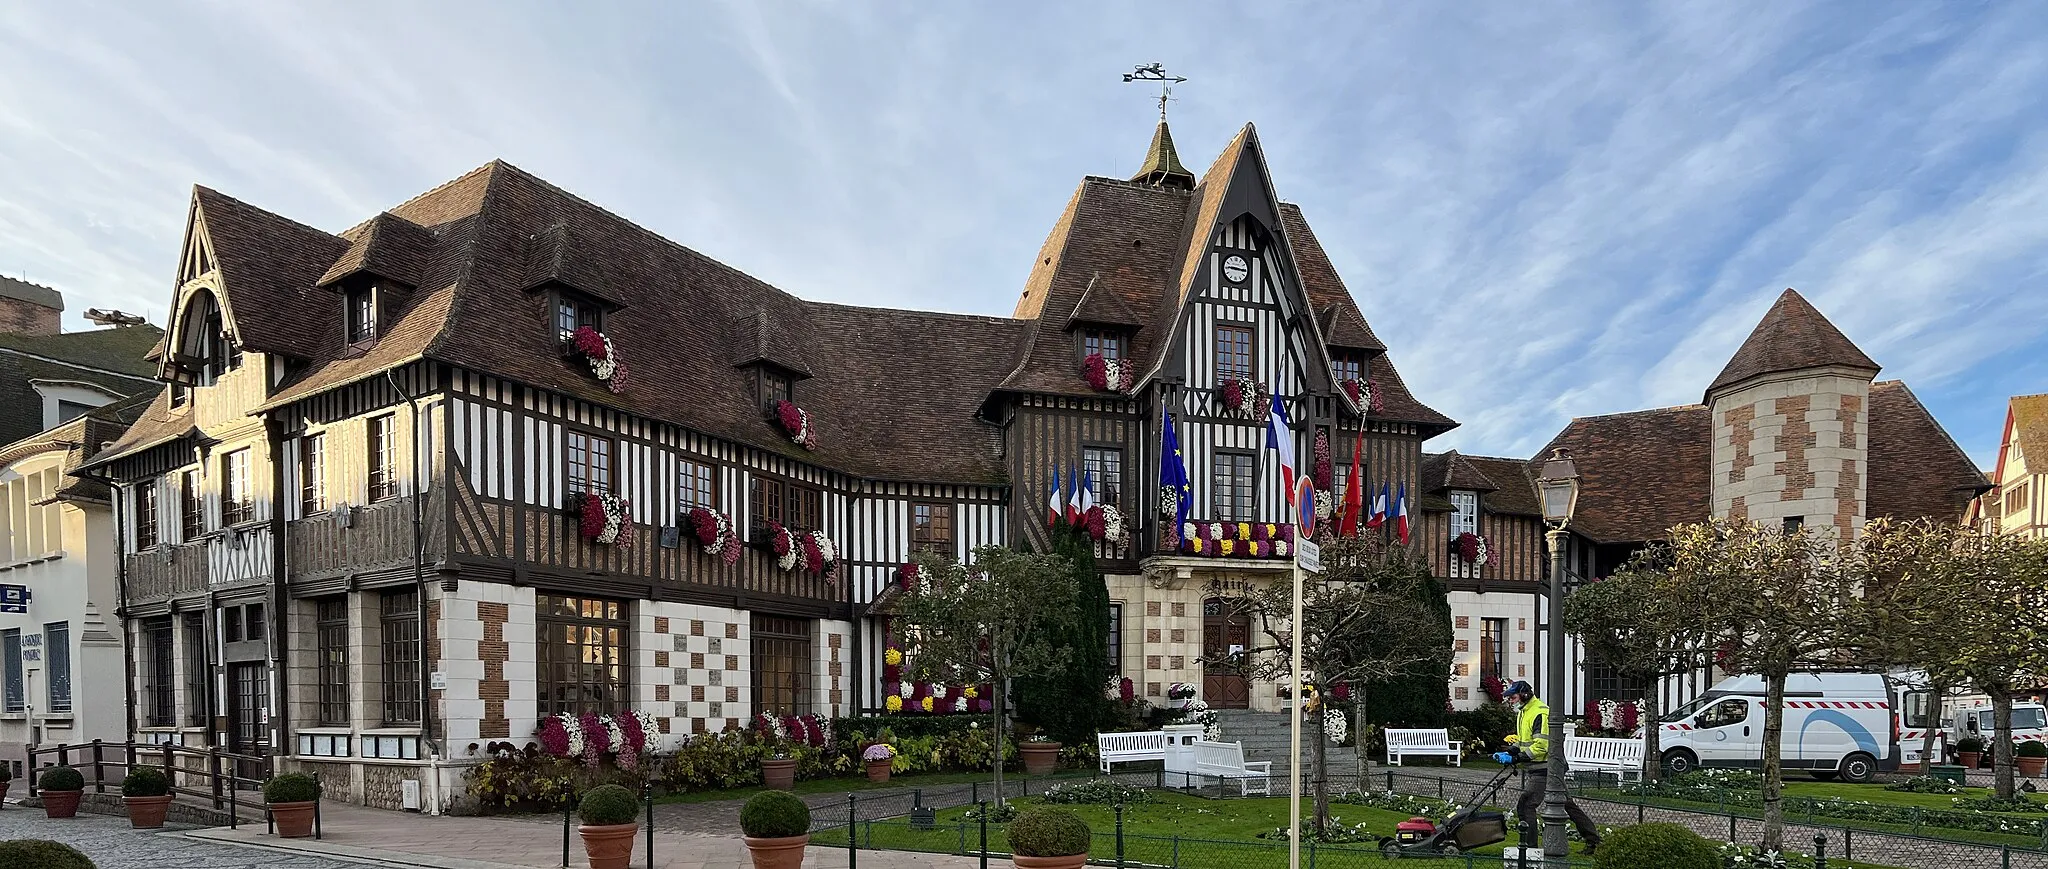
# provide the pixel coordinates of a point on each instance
(1419, 739)
(1121, 743)
(1592, 748)
(1219, 755)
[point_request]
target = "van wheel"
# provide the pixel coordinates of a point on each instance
(1681, 761)
(1859, 768)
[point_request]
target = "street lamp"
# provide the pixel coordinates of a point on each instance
(1559, 488)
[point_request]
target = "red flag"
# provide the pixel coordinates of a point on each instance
(1354, 489)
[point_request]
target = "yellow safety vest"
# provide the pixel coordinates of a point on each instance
(1533, 729)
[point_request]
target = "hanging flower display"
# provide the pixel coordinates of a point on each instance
(1321, 470)
(821, 555)
(1108, 375)
(1113, 530)
(715, 533)
(782, 544)
(1245, 396)
(589, 737)
(595, 348)
(796, 422)
(1239, 539)
(911, 576)
(1169, 501)
(1366, 394)
(1471, 549)
(1326, 506)
(602, 518)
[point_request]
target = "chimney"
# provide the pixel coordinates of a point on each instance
(29, 309)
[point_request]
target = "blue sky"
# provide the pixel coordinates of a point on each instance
(1546, 210)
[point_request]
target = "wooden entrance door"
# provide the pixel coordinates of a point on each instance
(249, 718)
(1223, 683)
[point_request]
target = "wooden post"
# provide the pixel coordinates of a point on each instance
(213, 772)
(99, 769)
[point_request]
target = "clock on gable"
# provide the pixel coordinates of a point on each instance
(1235, 269)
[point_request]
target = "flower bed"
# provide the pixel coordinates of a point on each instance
(1238, 539)
(1971, 820)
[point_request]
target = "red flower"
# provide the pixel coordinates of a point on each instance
(1340, 691)
(1627, 714)
(778, 538)
(1322, 465)
(554, 737)
(588, 342)
(590, 516)
(629, 727)
(706, 525)
(1351, 389)
(1593, 715)
(1233, 393)
(1092, 522)
(814, 560)
(1096, 371)
(1493, 688)
(906, 574)
(1127, 690)
(1468, 547)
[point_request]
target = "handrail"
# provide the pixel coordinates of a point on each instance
(217, 778)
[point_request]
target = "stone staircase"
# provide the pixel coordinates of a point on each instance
(1265, 737)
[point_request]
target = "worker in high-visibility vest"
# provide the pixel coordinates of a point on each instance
(1530, 746)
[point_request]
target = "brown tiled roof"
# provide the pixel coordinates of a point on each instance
(268, 268)
(111, 360)
(1325, 288)
(1916, 469)
(388, 246)
(759, 337)
(1792, 336)
(1343, 327)
(2030, 426)
(1517, 492)
(1639, 473)
(1445, 471)
(156, 423)
(1400, 404)
(1107, 308)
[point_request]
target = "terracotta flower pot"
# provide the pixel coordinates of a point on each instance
(1075, 861)
(1970, 759)
(2032, 767)
(1040, 758)
(778, 773)
(294, 820)
(609, 846)
(878, 770)
(781, 853)
(61, 804)
(3, 790)
(147, 813)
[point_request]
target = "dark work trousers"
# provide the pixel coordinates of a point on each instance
(1529, 809)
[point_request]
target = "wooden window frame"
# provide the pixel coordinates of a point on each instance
(380, 442)
(147, 531)
(1251, 489)
(1099, 340)
(330, 630)
(772, 385)
(360, 310)
(237, 498)
(312, 474)
(1251, 349)
(1493, 648)
(1348, 365)
(774, 639)
(1108, 490)
(923, 529)
(804, 505)
(191, 506)
(162, 701)
(568, 310)
(198, 678)
(584, 453)
(696, 484)
(401, 656)
(572, 627)
(767, 500)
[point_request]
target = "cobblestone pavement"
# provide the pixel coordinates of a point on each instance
(113, 844)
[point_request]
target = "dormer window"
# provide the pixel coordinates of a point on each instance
(776, 386)
(1108, 342)
(362, 316)
(573, 312)
(1349, 365)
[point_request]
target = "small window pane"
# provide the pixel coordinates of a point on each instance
(589, 463)
(694, 485)
(312, 474)
(931, 528)
(383, 470)
(145, 516)
(237, 501)
(1232, 481)
(399, 621)
(1233, 351)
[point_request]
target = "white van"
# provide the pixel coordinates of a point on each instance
(1835, 725)
(2029, 722)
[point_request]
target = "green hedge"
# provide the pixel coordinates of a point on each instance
(1852, 810)
(42, 854)
(1656, 846)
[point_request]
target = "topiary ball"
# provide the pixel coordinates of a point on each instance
(146, 781)
(607, 806)
(292, 787)
(1656, 846)
(2032, 748)
(42, 854)
(775, 815)
(1048, 832)
(60, 778)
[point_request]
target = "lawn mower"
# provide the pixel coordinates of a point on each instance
(1468, 828)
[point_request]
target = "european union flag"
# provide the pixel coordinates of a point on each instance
(1173, 471)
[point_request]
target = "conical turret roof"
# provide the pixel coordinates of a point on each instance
(1162, 163)
(1792, 336)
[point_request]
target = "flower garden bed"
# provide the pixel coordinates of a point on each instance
(1861, 807)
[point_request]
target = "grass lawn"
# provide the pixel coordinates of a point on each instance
(1874, 793)
(852, 784)
(1870, 793)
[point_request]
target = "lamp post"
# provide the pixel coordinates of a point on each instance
(1559, 487)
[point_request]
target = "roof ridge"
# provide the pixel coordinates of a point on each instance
(1646, 410)
(955, 315)
(253, 206)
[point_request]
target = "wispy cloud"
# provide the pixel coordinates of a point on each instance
(1545, 212)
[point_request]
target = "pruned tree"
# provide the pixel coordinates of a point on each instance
(1370, 618)
(1070, 704)
(1624, 621)
(989, 621)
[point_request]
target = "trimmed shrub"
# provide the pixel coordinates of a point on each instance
(1044, 832)
(42, 854)
(608, 805)
(292, 787)
(1969, 745)
(1656, 846)
(2032, 748)
(6, 774)
(146, 781)
(1102, 791)
(60, 778)
(775, 815)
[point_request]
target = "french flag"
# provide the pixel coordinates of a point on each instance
(1056, 505)
(1280, 436)
(1379, 508)
(1401, 515)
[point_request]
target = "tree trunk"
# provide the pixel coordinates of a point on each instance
(1774, 776)
(1001, 707)
(1319, 766)
(1359, 742)
(1939, 690)
(2001, 743)
(1653, 759)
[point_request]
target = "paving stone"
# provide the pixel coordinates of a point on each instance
(113, 844)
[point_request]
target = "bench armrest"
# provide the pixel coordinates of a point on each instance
(1262, 767)
(1458, 745)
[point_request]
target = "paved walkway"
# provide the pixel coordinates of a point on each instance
(113, 844)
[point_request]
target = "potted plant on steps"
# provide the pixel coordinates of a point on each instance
(6, 778)
(608, 813)
(2032, 757)
(1041, 755)
(1047, 838)
(1969, 751)
(879, 758)
(60, 788)
(291, 799)
(147, 791)
(777, 826)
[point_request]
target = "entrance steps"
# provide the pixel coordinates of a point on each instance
(1265, 737)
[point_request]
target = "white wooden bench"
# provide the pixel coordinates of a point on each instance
(1225, 760)
(1129, 747)
(1432, 743)
(1623, 757)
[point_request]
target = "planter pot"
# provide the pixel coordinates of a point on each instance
(3, 789)
(294, 820)
(878, 770)
(1074, 862)
(609, 846)
(61, 804)
(778, 773)
(147, 813)
(1040, 758)
(1969, 759)
(782, 853)
(2032, 767)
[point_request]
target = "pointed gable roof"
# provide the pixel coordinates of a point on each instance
(1106, 307)
(2027, 425)
(1344, 327)
(268, 267)
(1162, 166)
(388, 246)
(760, 337)
(1444, 471)
(1792, 336)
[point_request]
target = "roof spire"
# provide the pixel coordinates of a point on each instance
(1162, 166)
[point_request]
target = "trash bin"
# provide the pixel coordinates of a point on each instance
(1949, 772)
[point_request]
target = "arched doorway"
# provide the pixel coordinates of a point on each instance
(1226, 633)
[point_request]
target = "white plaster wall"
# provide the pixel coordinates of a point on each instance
(1469, 609)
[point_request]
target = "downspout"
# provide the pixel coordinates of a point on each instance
(419, 565)
(280, 597)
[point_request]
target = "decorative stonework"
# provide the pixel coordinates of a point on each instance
(495, 690)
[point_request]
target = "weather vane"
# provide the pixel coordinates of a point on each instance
(1156, 72)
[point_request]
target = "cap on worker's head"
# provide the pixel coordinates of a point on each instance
(1519, 688)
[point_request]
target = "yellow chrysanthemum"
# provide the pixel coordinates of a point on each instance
(927, 704)
(893, 704)
(1227, 546)
(1272, 531)
(893, 656)
(1244, 530)
(1197, 544)
(1252, 549)
(972, 692)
